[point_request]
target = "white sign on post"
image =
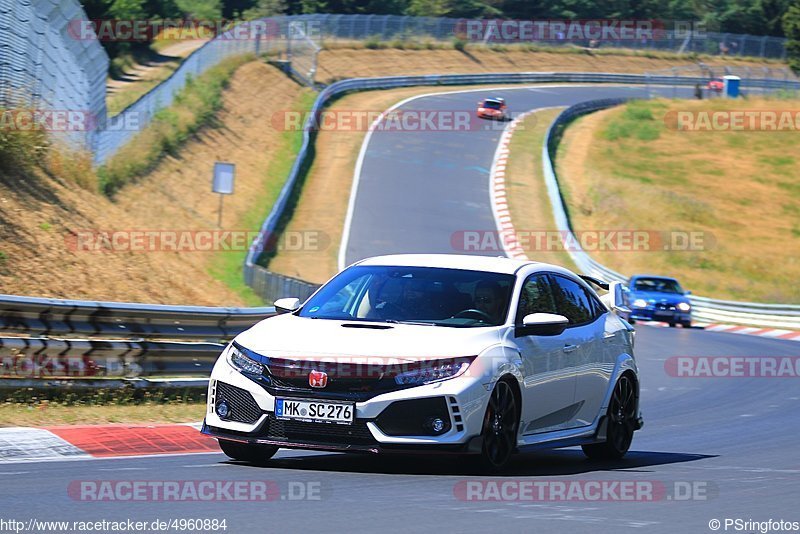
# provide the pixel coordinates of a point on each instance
(222, 183)
(223, 178)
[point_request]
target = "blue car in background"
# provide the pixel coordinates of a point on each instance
(658, 298)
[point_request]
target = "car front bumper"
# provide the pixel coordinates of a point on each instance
(664, 316)
(462, 401)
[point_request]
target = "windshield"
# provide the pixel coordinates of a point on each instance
(419, 295)
(491, 104)
(659, 285)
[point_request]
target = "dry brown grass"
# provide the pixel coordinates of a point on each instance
(38, 212)
(739, 189)
(355, 62)
(47, 414)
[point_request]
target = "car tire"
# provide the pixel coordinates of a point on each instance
(500, 426)
(673, 325)
(631, 321)
(621, 422)
(247, 452)
(686, 324)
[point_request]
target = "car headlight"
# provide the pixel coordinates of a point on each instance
(433, 371)
(684, 306)
(639, 303)
(244, 363)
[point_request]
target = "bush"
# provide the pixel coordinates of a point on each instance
(20, 148)
(791, 28)
(73, 166)
(374, 42)
(636, 120)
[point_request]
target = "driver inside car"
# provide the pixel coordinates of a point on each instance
(489, 300)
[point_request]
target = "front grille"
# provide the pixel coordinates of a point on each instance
(355, 434)
(344, 381)
(244, 408)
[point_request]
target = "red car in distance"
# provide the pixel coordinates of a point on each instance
(493, 108)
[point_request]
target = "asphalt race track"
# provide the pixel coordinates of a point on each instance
(714, 448)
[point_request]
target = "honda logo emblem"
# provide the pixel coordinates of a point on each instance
(317, 379)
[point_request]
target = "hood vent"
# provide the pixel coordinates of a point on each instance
(367, 325)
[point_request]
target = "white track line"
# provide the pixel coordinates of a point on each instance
(497, 189)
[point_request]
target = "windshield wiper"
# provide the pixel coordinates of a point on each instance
(395, 321)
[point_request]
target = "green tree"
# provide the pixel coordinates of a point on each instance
(128, 10)
(791, 28)
(265, 8)
(428, 8)
(201, 9)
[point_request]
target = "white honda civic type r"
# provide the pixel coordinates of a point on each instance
(433, 353)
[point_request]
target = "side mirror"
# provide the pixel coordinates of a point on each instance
(615, 300)
(542, 324)
(688, 292)
(286, 305)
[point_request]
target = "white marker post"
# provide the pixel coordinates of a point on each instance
(222, 183)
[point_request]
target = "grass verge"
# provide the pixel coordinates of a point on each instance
(526, 192)
(31, 407)
(630, 168)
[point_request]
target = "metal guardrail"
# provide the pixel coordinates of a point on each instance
(703, 308)
(34, 316)
(52, 338)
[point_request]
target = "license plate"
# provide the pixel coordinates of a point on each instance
(315, 411)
